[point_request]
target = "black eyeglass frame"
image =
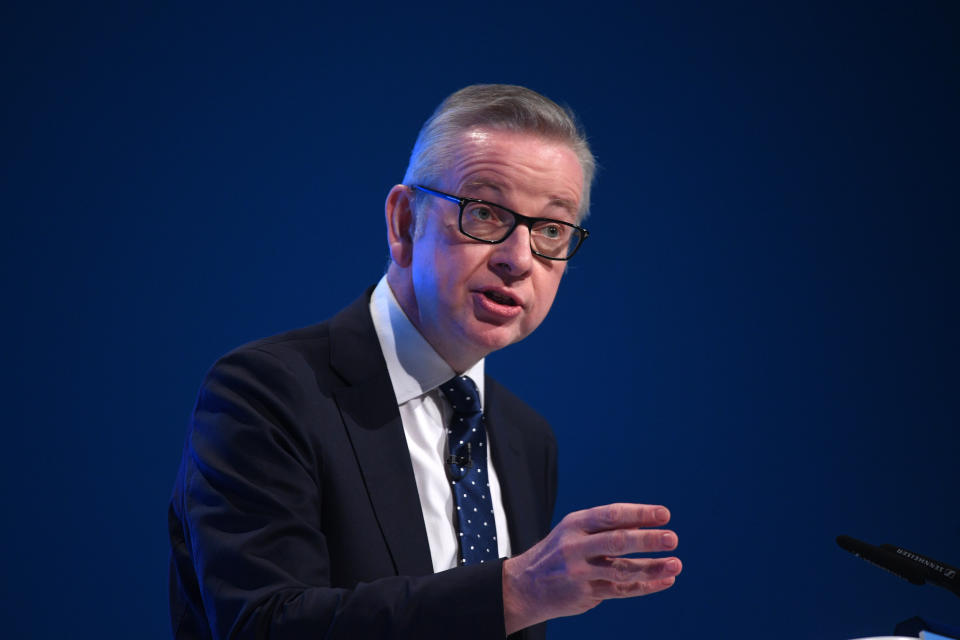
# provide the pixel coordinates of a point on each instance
(518, 219)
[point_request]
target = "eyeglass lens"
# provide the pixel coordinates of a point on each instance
(548, 237)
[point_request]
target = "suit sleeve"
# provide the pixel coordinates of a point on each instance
(250, 559)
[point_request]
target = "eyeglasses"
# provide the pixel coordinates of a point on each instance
(491, 223)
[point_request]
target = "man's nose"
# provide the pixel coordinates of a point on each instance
(512, 256)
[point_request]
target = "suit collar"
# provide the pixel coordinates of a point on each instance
(354, 350)
(414, 366)
(369, 410)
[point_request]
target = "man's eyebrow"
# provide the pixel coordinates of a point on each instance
(563, 203)
(479, 184)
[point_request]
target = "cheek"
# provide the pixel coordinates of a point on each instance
(441, 277)
(458, 265)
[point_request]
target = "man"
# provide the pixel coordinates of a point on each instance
(363, 478)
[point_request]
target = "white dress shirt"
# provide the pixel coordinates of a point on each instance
(416, 372)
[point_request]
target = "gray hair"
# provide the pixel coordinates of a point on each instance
(498, 107)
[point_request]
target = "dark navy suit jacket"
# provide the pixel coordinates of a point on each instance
(295, 512)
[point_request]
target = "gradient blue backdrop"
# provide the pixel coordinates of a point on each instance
(761, 332)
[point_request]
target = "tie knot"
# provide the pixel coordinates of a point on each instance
(462, 394)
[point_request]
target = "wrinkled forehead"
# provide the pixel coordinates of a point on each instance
(502, 164)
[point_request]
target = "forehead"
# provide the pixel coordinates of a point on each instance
(513, 168)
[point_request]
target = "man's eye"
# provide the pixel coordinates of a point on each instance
(481, 213)
(552, 231)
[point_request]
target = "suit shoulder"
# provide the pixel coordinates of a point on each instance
(308, 349)
(301, 355)
(305, 340)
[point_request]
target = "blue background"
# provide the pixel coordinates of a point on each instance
(761, 332)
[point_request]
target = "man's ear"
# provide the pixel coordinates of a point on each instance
(400, 224)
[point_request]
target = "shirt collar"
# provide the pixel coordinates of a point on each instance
(414, 366)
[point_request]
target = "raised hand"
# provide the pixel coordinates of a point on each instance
(579, 564)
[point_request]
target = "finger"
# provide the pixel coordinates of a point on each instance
(604, 590)
(630, 570)
(621, 515)
(625, 541)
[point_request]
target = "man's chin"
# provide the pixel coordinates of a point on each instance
(489, 338)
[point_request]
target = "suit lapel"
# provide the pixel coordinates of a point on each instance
(369, 410)
(519, 501)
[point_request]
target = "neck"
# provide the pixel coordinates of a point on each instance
(402, 288)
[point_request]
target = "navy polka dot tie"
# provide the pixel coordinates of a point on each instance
(467, 470)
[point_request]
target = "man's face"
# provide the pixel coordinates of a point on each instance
(473, 298)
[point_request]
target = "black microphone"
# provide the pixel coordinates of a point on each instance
(910, 566)
(935, 572)
(457, 464)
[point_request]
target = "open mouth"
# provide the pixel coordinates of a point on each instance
(500, 298)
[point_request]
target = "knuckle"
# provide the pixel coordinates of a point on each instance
(598, 589)
(611, 515)
(567, 542)
(622, 571)
(590, 589)
(617, 542)
(569, 551)
(568, 519)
